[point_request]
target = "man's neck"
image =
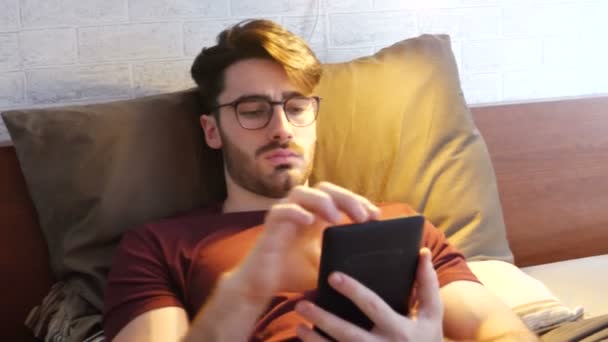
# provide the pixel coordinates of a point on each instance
(244, 200)
(240, 199)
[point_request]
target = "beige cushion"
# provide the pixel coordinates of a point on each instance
(395, 127)
(528, 297)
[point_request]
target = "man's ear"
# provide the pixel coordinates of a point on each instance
(212, 131)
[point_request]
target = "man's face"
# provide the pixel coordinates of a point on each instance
(267, 161)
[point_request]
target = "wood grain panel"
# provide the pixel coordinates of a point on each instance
(551, 162)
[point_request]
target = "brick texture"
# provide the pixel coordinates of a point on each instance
(203, 33)
(12, 88)
(48, 47)
(9, 15)
(360, 29)
(133, 41)
(48, 13)
(9, 51)
(69, 84)
(158, 77)
(163, 10)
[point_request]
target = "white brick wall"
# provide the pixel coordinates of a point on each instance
(129, 42)
(9, 15)
(9, 51)
(198, 34)
(55, 52)
(12, 89)
(78, 83)
(44, 47)
(378, 28)
(50, 13)
(164, 9)
(164, 76)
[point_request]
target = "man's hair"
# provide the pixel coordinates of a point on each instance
(254, 39)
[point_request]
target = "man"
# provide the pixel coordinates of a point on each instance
(246, 268)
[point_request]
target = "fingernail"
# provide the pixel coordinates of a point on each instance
(336, 278)
(376, 211)
(303, 307)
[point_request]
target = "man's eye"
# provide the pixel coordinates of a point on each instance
(295, 110)
(252, 113)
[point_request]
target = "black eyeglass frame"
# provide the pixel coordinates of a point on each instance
(234, 104)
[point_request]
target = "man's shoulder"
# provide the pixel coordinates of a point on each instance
(178, 223)
(399, 209)
(395, 209)
(196, 222)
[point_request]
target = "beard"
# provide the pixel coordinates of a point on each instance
(244, 171)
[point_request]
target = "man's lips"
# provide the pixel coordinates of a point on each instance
(282, 156)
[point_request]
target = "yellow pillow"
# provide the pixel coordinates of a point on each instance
(395, 127)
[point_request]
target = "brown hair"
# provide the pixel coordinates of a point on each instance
(254, 39)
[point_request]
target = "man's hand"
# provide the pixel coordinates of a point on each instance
(291, 228)
(423, 325)
(292, 234)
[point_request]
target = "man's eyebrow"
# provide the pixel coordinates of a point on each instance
(285, 95)
(288, 94)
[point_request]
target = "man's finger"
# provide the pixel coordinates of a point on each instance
(357, 207)
(258, 276)
(288, 212)
(331, 324)
(317, 202)
(374, 307)
(309, 335)
(430, 305)
(281, 223)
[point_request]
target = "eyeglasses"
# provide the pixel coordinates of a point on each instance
(256, 112)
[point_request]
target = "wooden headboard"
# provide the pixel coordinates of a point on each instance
(551, 162)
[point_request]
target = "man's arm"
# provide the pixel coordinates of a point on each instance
(158, 325)
(228, 316)
(140, 302)
(471, 312)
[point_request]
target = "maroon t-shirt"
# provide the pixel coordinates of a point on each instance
(176, 262)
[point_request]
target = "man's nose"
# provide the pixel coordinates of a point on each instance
(280, 128)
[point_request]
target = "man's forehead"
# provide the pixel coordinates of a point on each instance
(257, 77)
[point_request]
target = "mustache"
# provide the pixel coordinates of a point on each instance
(275, 144)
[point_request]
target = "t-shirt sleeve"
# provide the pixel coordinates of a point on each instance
(139, 281)
(448, 261)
